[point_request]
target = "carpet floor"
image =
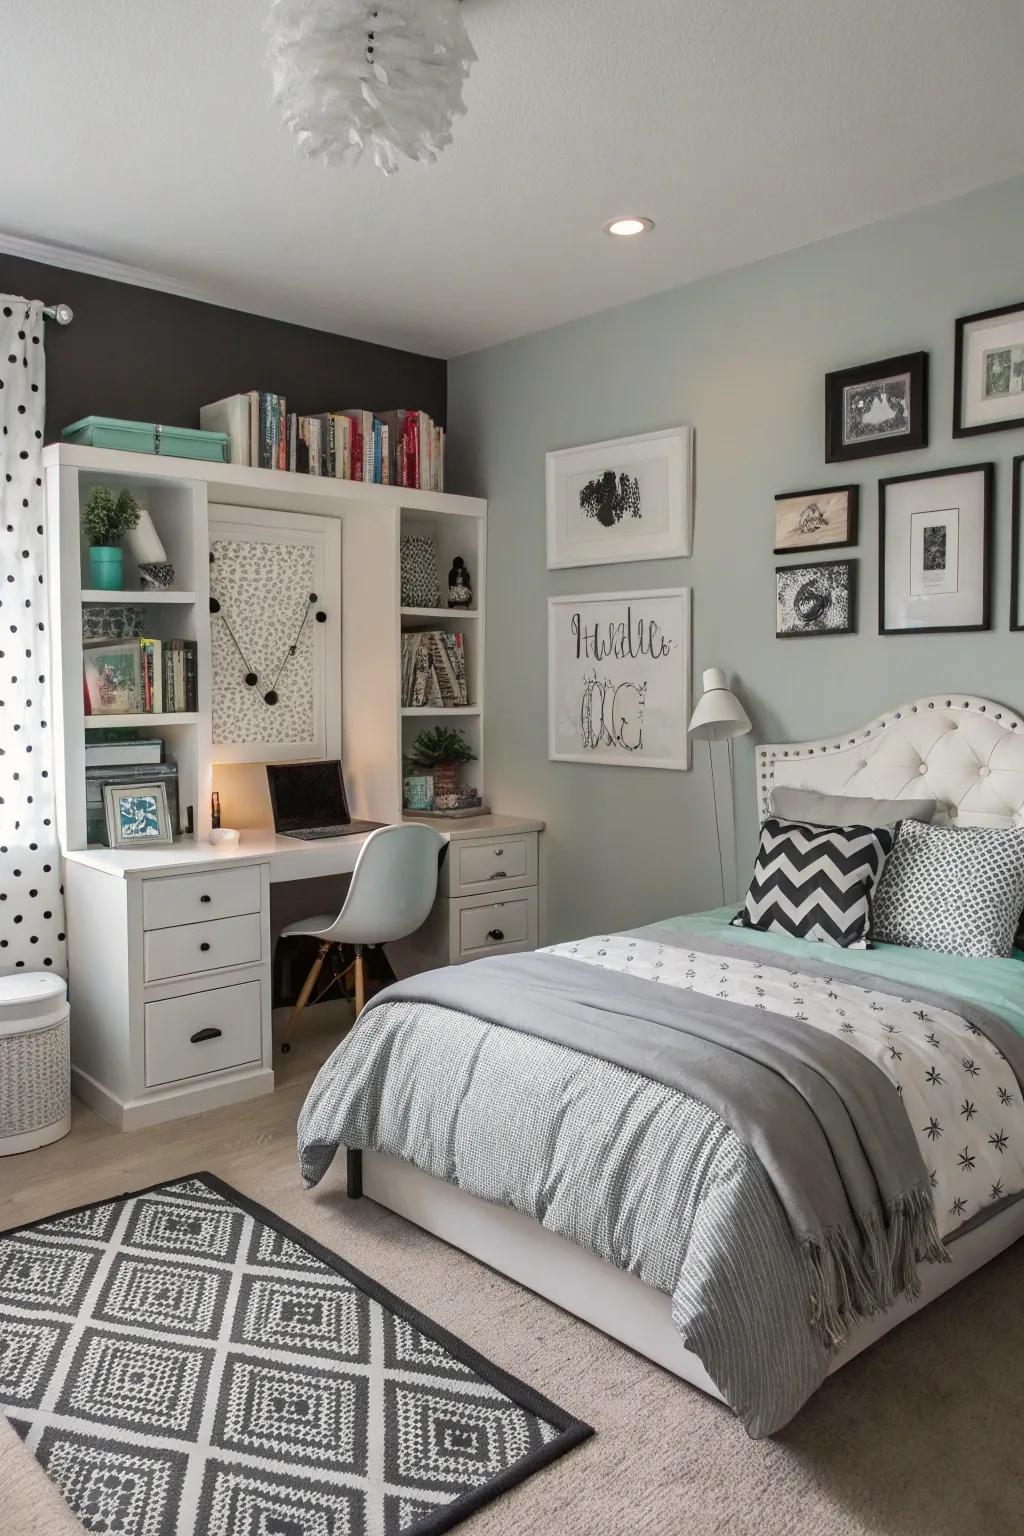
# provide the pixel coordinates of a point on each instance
(919, 1436)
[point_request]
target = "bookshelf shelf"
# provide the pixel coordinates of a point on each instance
(453, 709)
(439, 613)
(139, 717)
(138, 599)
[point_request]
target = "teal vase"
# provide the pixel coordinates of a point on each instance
(106, 567)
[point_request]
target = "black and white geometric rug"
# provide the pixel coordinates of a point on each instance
(180, 1360)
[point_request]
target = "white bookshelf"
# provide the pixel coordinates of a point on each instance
(375, 730)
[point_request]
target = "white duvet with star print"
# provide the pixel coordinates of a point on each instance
(962, 1099)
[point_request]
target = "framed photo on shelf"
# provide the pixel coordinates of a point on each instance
(824, 519)
(626, 499)
(818, 599)
(619, 678)
(113, 677)
(988, 371)
(1017, 554)
(877, 408)
(137, 815)
(934, 551)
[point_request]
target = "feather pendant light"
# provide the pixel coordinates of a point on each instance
(380, 75)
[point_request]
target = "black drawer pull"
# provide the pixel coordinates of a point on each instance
(497, 934)
(499, 874)
(204, 947)
(206, 1034)
(498, 852)
(206, 898)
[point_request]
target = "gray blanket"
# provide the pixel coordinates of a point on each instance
(825, 1123)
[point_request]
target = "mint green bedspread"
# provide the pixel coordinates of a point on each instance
(997, 985)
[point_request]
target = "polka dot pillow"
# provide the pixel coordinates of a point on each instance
(955, 889)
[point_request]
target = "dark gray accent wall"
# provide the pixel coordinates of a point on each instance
(147, 356)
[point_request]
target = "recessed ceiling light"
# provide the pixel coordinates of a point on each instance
(627, 227)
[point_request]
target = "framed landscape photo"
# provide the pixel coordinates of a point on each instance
(819, 599)
(877, 408)
(619, 678)
(934, 551)
(137, 815)
(816, 519)
(628, 499)
(988, 371)
(1017, 555)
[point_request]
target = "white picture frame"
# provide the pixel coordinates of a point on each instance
(137, 816)
(619, 678)
(629, 498)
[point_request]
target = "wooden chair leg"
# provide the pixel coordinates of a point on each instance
(360, 970)
(303, 998)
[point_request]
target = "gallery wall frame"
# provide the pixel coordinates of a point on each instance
(877, 408)
(807, 520)
(965, 572)
(629, 498)
(988, 371)
(815, 599)
(1017, 546)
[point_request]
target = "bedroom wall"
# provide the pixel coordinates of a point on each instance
(147, 356)
(742, 357)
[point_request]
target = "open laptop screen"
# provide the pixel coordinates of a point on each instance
(307, 795)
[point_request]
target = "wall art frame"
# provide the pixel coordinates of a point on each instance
(819, 519)
(935, 551)
(988, 371)
(138, 815)
(1017, 547)
(630, 498)
(815, 599)
(619, 678)
(877, 408)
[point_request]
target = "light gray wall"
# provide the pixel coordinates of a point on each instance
(742, 357)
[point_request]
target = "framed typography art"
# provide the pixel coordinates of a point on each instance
(629, 499)
(619, 678)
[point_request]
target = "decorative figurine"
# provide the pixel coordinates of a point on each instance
(460, 589)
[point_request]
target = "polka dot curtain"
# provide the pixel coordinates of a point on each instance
(31, 900)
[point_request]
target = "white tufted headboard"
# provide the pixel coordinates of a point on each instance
(965, 752)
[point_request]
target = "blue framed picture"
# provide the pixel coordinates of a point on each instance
(137, 816)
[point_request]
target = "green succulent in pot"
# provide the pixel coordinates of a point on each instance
(105, 521)
(440, 752)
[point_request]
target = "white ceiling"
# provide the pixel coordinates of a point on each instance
(139, 130)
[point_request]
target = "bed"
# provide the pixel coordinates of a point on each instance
(482, 1104)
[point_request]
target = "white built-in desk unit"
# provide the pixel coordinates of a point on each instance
(170, 950)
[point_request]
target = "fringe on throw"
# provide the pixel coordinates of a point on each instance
(847, 1287)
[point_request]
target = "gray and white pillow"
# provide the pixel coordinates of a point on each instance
(798, 804)
(955, 889)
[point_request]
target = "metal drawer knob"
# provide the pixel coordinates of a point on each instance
(205, 1034)
(204, 947)
(206, 898)
(498, 852)
(497, 934)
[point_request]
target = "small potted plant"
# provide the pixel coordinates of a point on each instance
(105, 521)
(440, 752)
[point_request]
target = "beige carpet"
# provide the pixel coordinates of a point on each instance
(921, 1436)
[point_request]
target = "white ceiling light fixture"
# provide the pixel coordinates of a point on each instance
(627, 227)
(383, 75)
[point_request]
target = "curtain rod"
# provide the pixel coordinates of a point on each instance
(62, 313)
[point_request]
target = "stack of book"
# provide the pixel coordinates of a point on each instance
(388, 448)
(122, 759)
(140, 676)
(433, 670)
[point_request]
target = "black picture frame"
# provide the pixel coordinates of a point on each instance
(987, 471)
(853, 518)
(913, 363)
(820, 634)
(1016, 623)
(959, 429)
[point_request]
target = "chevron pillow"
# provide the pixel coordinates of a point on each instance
(816, 882)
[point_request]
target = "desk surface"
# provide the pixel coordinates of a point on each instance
(289, 858)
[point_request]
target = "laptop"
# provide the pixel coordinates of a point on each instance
(309, 801)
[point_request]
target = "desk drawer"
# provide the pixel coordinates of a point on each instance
(202, 947)
(203, 1032)
(496, 863)
(176, 899)
(497, 925)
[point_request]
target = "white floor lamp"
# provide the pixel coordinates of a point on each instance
(720, 716)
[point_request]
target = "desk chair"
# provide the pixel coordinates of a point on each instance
(391, 893)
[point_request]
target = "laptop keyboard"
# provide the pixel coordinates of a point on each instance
(343, 829)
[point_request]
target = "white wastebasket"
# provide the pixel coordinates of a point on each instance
(35, 1061)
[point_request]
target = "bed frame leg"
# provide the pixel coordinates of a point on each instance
(354, 1171)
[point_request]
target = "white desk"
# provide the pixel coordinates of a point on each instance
(170, 954)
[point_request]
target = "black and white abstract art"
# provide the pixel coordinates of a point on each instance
(877, 408)
(815, 599)
(627, 499)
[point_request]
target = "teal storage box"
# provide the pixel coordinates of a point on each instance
(146, 437)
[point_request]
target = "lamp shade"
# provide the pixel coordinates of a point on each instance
(719, 714)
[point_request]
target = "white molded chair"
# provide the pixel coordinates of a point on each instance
(390, 895)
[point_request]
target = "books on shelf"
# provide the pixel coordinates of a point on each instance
(140, 676)
(402, 448)
(433, 670)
